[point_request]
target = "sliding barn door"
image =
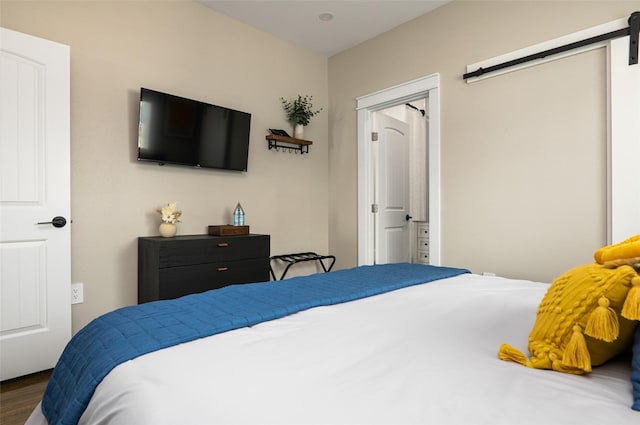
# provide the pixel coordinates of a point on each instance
(624, 110)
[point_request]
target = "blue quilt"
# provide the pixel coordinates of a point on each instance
(129, 332)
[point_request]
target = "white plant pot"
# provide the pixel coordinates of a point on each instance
(168, 230)
(298, 131)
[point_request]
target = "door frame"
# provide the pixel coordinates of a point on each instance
(425, 87)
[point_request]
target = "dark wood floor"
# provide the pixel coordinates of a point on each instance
(18, 397)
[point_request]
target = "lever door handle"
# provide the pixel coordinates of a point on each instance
(408, 217)
(56, 221)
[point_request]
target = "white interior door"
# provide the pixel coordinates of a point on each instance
(392, 223)
(35, 273)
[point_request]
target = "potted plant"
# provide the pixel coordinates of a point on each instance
(299, 112)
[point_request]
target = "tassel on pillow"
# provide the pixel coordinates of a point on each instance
(631, 306)
(576, 353)
(603, 322)
(509, 353)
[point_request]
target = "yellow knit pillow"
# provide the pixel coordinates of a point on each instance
(625, 252)
(579, 322)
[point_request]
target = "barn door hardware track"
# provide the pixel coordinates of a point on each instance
(632, 30)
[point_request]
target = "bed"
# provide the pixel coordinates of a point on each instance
(421, 352)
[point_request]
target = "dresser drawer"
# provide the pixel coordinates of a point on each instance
(178, 281)
(422, 230)
(423, 244)
(422, 257)
(205, 250)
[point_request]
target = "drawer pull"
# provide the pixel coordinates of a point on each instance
(223, 244)
(223, 269)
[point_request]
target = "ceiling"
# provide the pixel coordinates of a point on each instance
(300, 21)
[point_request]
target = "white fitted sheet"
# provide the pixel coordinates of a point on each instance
(426, 354)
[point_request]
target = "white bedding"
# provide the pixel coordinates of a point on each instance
(426, 354)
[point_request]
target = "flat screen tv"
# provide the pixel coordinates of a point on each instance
(175, 130)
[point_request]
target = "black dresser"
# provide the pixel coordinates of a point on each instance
(173, 267)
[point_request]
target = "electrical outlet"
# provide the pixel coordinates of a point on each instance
(77, 293)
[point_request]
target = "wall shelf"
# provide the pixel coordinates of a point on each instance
(288, 143)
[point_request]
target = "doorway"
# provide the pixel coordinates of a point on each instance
(427, 90)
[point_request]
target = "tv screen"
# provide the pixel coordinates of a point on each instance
(175, 130)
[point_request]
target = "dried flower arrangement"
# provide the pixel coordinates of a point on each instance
(169, 213)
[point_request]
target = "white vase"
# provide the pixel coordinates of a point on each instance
(168, 230)
(298, 131)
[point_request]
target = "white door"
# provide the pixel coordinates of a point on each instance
(392, 233)
(35, 275)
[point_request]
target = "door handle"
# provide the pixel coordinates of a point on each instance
(55, 221)
(408, 217)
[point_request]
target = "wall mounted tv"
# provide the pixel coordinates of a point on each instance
(175, 130)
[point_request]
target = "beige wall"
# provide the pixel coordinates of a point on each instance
(523, 155)
(185, 49)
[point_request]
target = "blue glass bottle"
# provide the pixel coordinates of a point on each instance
(238, 215)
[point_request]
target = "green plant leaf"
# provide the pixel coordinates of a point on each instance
(299, 110)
